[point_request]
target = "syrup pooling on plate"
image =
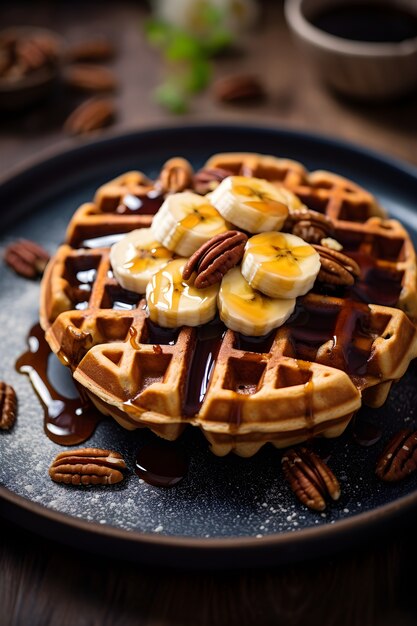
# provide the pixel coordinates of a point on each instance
(67, 420)
(161, 464)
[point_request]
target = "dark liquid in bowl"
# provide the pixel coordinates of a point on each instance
(366, 21)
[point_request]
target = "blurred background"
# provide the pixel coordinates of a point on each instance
(115, 66)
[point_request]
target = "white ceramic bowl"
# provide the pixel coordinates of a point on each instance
(362, 70)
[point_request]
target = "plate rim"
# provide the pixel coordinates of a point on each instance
(50, 153)
(290, 541)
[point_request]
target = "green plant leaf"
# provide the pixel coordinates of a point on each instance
(157, 32)
(172, 97)
(187, 54)
(217, 42)
(198, 76)
(182, 47)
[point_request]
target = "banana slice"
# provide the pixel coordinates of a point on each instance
(174, 302)
(136, 257)
(252, 204)
(247, 311)
(280, 265)
(185, 221)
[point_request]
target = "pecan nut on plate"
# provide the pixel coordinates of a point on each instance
(215, 258)
(311, 480)
(399, 459)
(176, 175)
(26, 258)
(336, 268)
(208, 178)
(87, 466)
(8, 406)
(311, 226)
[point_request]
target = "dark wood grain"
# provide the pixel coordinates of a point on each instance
(44, 583)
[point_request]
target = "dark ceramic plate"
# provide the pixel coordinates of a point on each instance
(227, 511)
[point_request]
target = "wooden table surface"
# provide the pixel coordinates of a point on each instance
(44, 583)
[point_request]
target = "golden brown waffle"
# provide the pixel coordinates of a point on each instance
(303, 380)
(326, 192)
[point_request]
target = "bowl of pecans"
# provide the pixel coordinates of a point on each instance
(29, 65)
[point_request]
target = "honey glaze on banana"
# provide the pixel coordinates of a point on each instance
(137, 260)
(69, 417)
(275, 256)
(258, 199)
(200, 215)
(168, 290)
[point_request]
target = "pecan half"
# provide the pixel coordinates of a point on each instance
(8, 406)
(238, 88)
(176, 175)
(215, 258)
(22, 54)
(310, 478)
(26, 258)
(91, 115)
(30, 55)
(95, 49)
(399, 459)
(336, 268)
(86, 77)
(88, 466)
(311, 226)
(207, 179)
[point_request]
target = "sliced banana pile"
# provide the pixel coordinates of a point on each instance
(136, 257)
(252, 204)
(185, 221)
(252, 299)
(174, 302)
(280, 265)
(247, 311)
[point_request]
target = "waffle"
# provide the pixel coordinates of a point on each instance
(305, 379)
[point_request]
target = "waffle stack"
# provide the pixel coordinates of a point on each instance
(341, 347)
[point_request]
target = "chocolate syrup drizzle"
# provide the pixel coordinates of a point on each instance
(67, 420)
(365, 433)
(163, 464)
(208, 341)
(145, 204)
